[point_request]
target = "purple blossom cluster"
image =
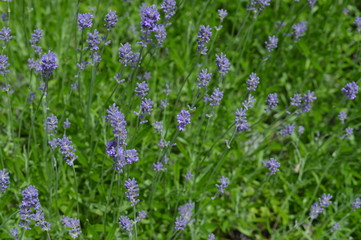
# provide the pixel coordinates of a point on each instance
(117, 121)
(356, 204)
(272, 165)
(48, 63)
(224, 182)
(132, 193)
(183, 118)
(34, 41)
(223, 64)
(318, 207)
(72, 223)
(168, 7)
(215, 97)
(85, 20)
(185, 218)
(252, 82)
(126, 56)
(258, 5)
(272, 101)
(240, 121)
(30, 210)
(203, 78)
(111, 19)
(120, 155)
(303, 102)
(350, 90)
(149, 18)
(204, 36)
(4, 180)
(299, 30)
(287, 130)
(4, 64)
(5, 34)
(272, 43)
(127, 224)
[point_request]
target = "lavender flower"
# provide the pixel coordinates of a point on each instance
(272, 43)
(51, 124)
(203, 78)
(30, 210)
(48, 63)
(252, 82)
(211, 237)
(189, 175)
(299, 30)
(287, 130)
(15, 233)
(93, 40)
(356, 204)
(5, 34)
(272, 165)
(307, 98)
(35, 38)
(85, 20)
(222, 64)
(215, 98)
(111, 19)
(146, 108)
(168, 7)
(34, 65)
(66, 124)
(358, 22)
(258, 5)
(335, 227)
(315, 210)
(31, 98)
(126, 55)
(142, 89)
(72, 223)
(4, 180)
(296, 100)
(68, 150)
(160, 34)
(141, 215)
(184, 118)
(272, 101)
(158, 126)
(117, 121)
(158, 166)
(325, 200)
(224, 183)
(204, 36)
(4, 64)
(121, 156)
(350, 90)
(149, 19)
(312, 2)
(349, 132)
(222, 14)
(301, 129)
(249, 102)
(132, 194)
(126, 224)
(241, 120)
(342, 116)
(5, 17)
(186, 212)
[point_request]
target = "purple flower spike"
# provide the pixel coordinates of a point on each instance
(241, 120)
(93, 40)
(184, 118)
(72, 223)
(111, 19)
(4, 64)
(5, 34)
(252, 82)
(204, 36)
(299, 30)
(356, 204)
(68, 150)
(132, 194)
(4, 180)
(48, 63)
(168, 7)
(186, 212)
(272, 165)
(350, 90)
(325, 200)
(85, 20)
(272, 43)
(223, 65)
(203, 78)
(224, 183)
(358, 22)
(272, 101)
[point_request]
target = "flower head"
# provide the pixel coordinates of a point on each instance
(184, 118)
(272, 101)
(168, 7)
(342, 116)
(222, 14)
(111, 19)
(132, 194)
(117, 121)
(224, 182)
(272, 165)
(222, 64)
(203, 78)
(356, 204)
(186, 212)
(142, 89)
(4, 64)
(4, 180)
(85, 20)
(252, 82)
(51, 124)
(48, 63)
(126, 55)
(72, 223)
(299, 30)
(272, 43)
(350, 90)
(204, 36)
(325, 200)
(5, 34)
(287, 130)
(93, 40)
(358, 22)
(241, 120)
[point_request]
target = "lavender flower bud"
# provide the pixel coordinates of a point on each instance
(342, 116)
(222, 14)
(4, 180)
(272, 165)
(183, 118)
(224, 183)
(111, 19)
(315, 210)
(117, 121)
(72, 223)
(325, 200)
(142, 89)
(85, 20)
(204, 36)
(350, 90)
(4, 64)
(51, 124)
(272, 43)
(5, 34)
(287, 130)
(299, 30)
(203, 78)
(272, 101)
(241, 120)
(358, 22)
(186, 212)
(222, 64)
(252, 82)
(93, 40)
(126, 224)
(132, 194)
(356, 204)
(169, 7)
(68, 150)
(48, 63)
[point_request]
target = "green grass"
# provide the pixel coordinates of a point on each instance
(255, 205)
